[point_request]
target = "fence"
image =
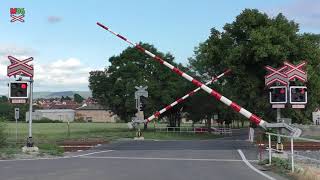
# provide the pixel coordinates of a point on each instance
(294, 154)
(223, 131)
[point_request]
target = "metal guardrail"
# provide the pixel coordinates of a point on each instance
(299, 138)
(292, 148)
(225, 131)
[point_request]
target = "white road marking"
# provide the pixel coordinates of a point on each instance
(54, 158)
(9, 160)
(252, 167)
(77, 146)
(168, 159)
(97, 152)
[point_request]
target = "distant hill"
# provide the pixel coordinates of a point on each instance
(37, 95)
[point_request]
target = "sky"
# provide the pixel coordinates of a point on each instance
(66, 44)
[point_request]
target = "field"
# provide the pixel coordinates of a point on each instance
(48, 136)
(56, 132)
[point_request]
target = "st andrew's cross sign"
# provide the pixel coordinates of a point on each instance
(296, 71)
(20, 67)
(286, 73)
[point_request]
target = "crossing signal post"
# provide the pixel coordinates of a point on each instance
(278, 98)
(143, 103)
(278, 95)
(20, 91)
(140, 96)
(297, 95)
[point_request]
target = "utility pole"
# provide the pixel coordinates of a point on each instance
(30, 141)
(16, 117)
(279, 144)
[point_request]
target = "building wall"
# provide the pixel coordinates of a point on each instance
(64, 116)
(316, 117)
(95, 115)
(309, 130)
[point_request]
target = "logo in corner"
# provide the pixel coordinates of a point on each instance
(17, 14)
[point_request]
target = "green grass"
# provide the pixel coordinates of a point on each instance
(47, 133)
(279, 166)
(56, 132)
(47, 136)
(51, 149)
(9, 151)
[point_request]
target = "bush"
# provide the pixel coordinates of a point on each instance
(279, 165)
(80, 120)
(46, 120)
(3, 135)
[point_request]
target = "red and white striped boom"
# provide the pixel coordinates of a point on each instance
(157, 114)
(252, 117)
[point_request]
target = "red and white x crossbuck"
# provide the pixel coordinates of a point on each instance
(296, 71)
(17, 18)
(18, 66)
(276, 75)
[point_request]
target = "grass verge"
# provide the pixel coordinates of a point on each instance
(279, 166)
(47, 136)
(8, 152)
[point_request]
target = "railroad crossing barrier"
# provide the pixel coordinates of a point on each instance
(250, 116)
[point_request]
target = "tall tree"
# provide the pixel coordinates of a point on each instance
(115, 86)
(78, 98)
(7, 111)
(251, 42)
(3, 99)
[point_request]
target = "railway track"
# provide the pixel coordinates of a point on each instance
(75, 145)
(314, 146)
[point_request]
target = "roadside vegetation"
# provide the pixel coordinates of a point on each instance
(283, 167)
(279, 166)
(3, 135)
(57, 132)
(49, 136)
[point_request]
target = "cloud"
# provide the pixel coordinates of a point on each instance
(304, 12)
(59, 75)
(69, 63)
(12, 49)
(54, 19)
(67, 74)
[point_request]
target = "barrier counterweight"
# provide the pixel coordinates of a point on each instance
(252, 117)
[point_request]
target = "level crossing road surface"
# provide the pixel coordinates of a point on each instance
(217, 159)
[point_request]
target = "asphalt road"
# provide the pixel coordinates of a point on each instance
(142, 160)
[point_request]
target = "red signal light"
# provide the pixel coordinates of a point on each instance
(23, 86)
(302, 91)
(282, 91)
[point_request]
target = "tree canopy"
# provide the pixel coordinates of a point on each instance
(78, 98)
(115, 86)
(251, 42)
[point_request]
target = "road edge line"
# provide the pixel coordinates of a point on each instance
(97, 152)
(52, 158)
(244, 159)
